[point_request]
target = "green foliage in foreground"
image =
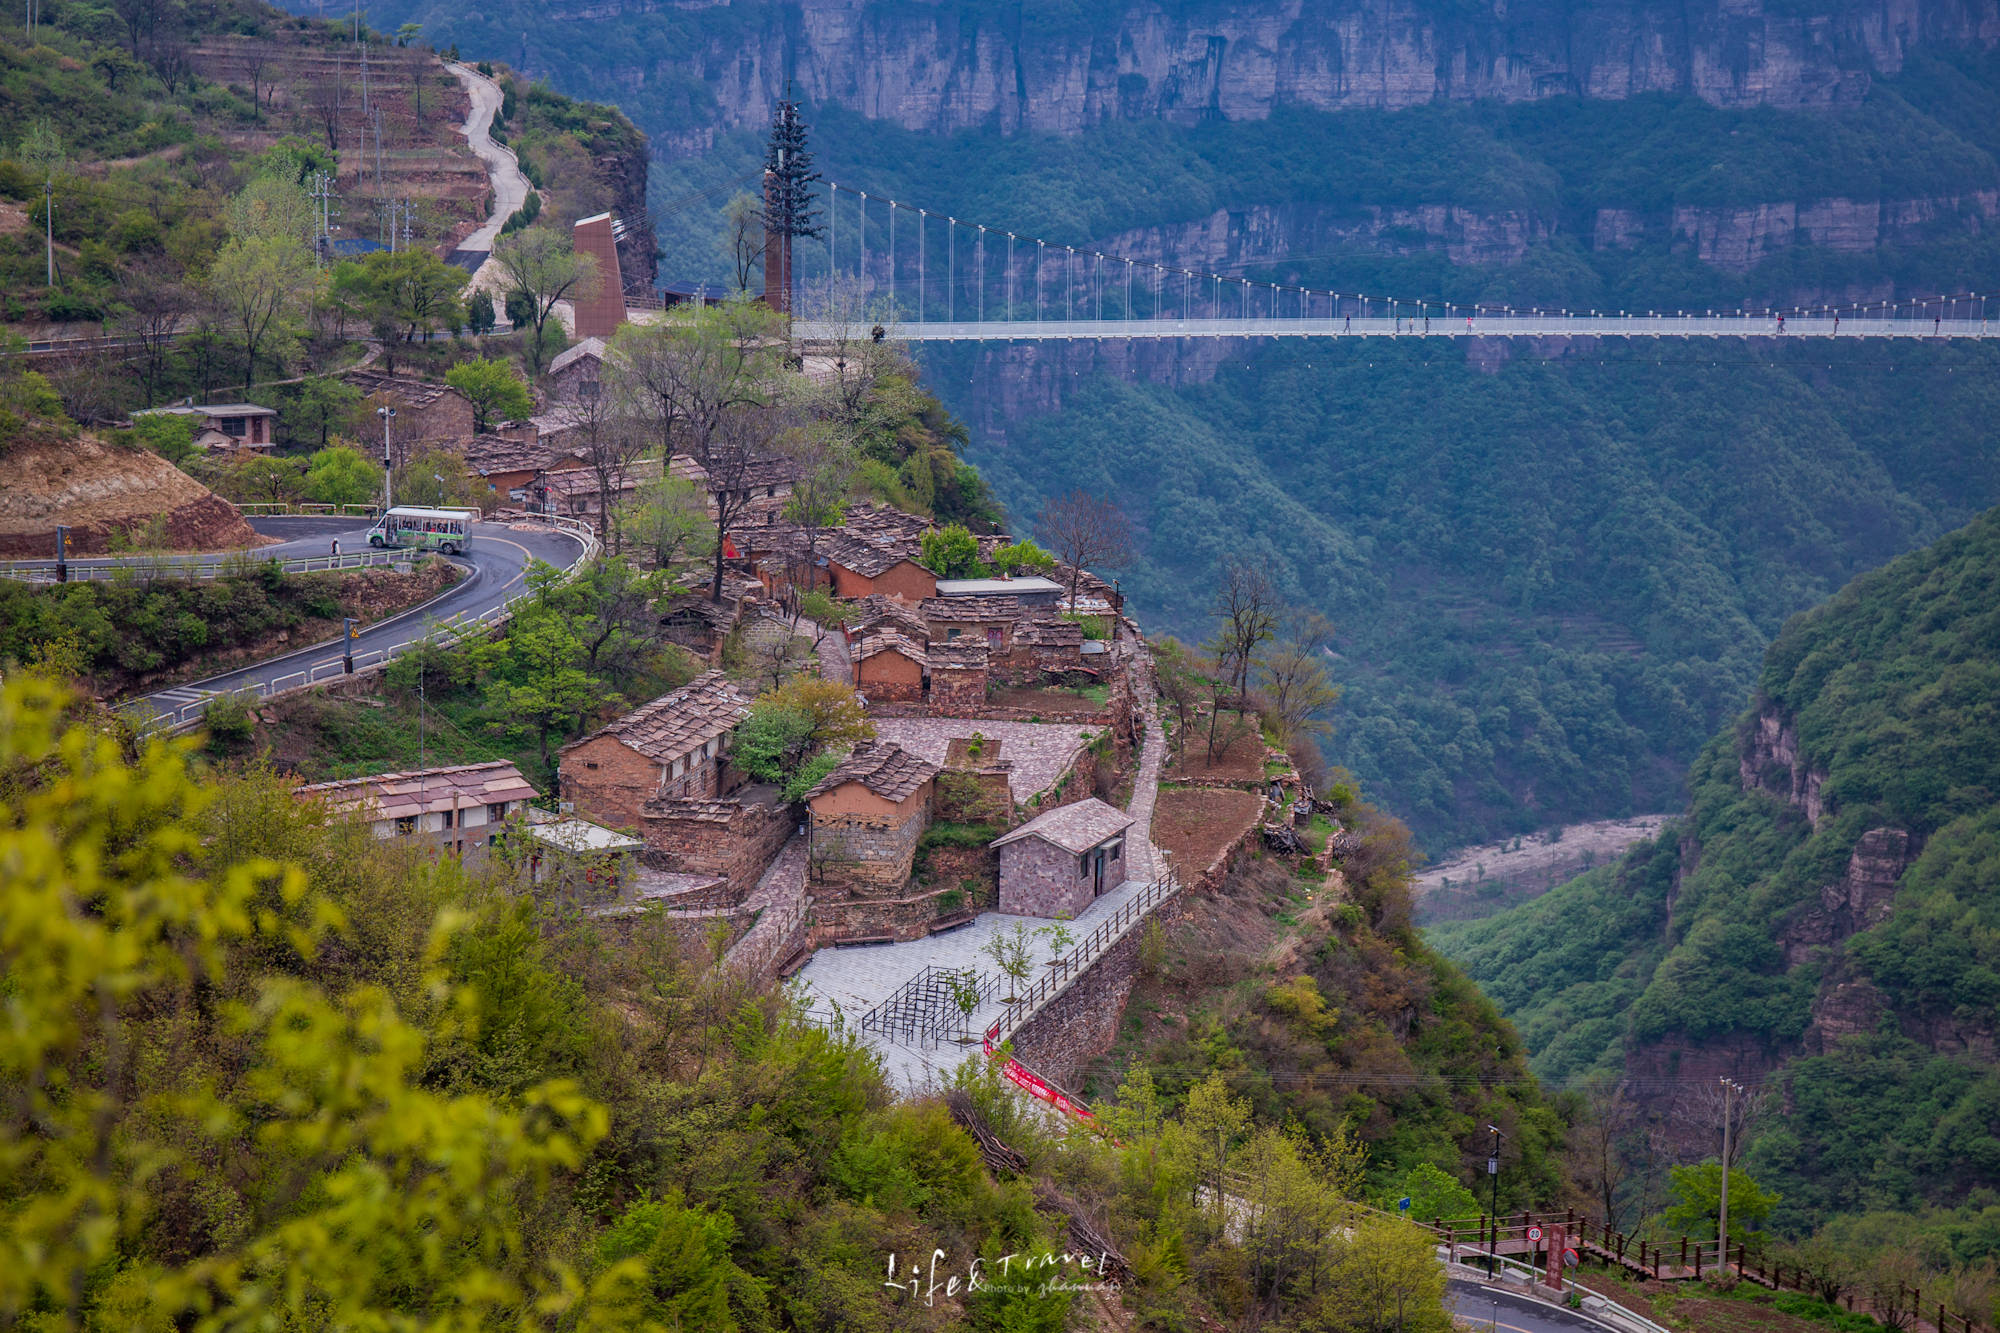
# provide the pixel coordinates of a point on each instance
(246, 1039)
(1893, 691)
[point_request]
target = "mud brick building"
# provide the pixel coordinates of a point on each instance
(733, 840)
(1059, 862)
(889, 668)
(675, 746)
(886, 613)
(861, 567)
(456, 809)
(867, 816)
(510, 465)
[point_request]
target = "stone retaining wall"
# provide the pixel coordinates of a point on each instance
(1082, 1023)
(875, 918)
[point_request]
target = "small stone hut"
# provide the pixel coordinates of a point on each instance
(1062, 861)
(867, 816)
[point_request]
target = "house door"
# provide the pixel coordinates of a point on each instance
(1097, 887)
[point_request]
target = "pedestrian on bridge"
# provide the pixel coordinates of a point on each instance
(1781, 323)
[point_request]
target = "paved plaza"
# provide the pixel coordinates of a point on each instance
(1039, 751)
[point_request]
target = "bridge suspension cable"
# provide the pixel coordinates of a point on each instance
(1047, 290)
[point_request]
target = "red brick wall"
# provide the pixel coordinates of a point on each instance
(739, 849)
(889, 676)
(613, 792)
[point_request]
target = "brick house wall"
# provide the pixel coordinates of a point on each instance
(876, 839)
(609, 781)
(889, 676)
(566, 385)
(730, 839)
(1038, 878)
(906, 581)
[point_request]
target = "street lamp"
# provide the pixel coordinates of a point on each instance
(440, 481)
(1493, 1174)
(388, 414)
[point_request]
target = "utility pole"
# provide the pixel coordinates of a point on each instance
(1493, 1174)
(406, 224)
(1730, 1089)
(49, 222)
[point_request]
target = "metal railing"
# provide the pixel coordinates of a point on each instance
(151, 568)
(1092, 947)
(926, 1008)
(445, 633)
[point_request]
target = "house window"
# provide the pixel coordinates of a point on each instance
(1116, 849)
(234, 427)
(950, 634)
(1083, 866)
(406, 824)
(445, 819)
(588, 763)
(496, 813)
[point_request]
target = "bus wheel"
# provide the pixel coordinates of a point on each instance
(374, 541)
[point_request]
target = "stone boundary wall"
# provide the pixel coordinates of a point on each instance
(876, 918)
(1082, 1023)
(690, 928)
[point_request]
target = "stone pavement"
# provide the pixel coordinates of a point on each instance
(855, 978)
(1038, 751)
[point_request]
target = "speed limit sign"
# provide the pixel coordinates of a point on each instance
(1534, 1233)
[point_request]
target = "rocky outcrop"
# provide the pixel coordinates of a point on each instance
(1859, 899)
(1740, 238)
(1768, 760)
(1231, 240)
(945, 67)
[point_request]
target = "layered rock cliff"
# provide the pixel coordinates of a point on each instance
(945, 67)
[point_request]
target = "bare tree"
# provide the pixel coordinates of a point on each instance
(86, 384)
(1246, 605)
(1294, 674)
(1084, 530)
(860, 343)
(1599, 1162)
(681, 375)
(824, 455)
(326, 97)
(153, 308)
(542, 268)
(741, 437)
(611, 445)
(743, 237)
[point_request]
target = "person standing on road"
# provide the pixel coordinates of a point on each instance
(336, 548)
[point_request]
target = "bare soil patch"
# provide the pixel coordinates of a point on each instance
(99, 490)
(1243, 761)
(1050, 701)
(1483, 880)
(1193, 824)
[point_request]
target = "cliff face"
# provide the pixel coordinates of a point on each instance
(949, 67)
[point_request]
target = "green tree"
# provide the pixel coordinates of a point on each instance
(1023, 557)
(540, 268)
(951, 552)
(1386, 1279)
(436, 478)
(1696, 1192)
(322, 407)
(691, 1280)
(342, 475)
(1433, 1193)
(545, 689)
(667, 519)
(261, 285)
(496, 389)
(402, 294)
(168, 434)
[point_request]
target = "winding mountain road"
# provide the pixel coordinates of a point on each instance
(496, 561)
(503, 169)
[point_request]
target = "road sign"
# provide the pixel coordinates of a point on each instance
(1569, 1258)
(1403, 1204)
(1534, 1233)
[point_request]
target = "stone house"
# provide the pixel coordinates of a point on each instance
(958, 674)
(577, 372)
(510, 466)
(731, 840)
(427, 416)
(989, 620)
(676, 746)
(861, 568)
(1061, 861)
(889, 668)
(867, 816)
(886, 613)
(1042, 647)
(221, 427)
(698, 624)
(456, 809)
(580, 860)
(574, 493)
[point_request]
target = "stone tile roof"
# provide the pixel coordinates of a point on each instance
(1075, 828)
(1049, 634)
(499, 453)
(975, 610)
(883, 523)
(583, 480)
(888, 613)
(422, 791)
(719, 617)
(678, 723)
(413, 392)
(877, 642)
(884, 768)
(589, 347)
(868, 558)
(958, 655)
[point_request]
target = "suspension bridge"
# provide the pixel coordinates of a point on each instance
(922, 276)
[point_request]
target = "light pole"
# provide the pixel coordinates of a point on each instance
(439, 479)
(388, 414)
(1493, 1174)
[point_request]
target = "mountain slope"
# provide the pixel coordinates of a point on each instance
(1827, 916)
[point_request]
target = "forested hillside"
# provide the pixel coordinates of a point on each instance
(1826, 919)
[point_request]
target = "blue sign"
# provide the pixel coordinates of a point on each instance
(1403, 1204)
